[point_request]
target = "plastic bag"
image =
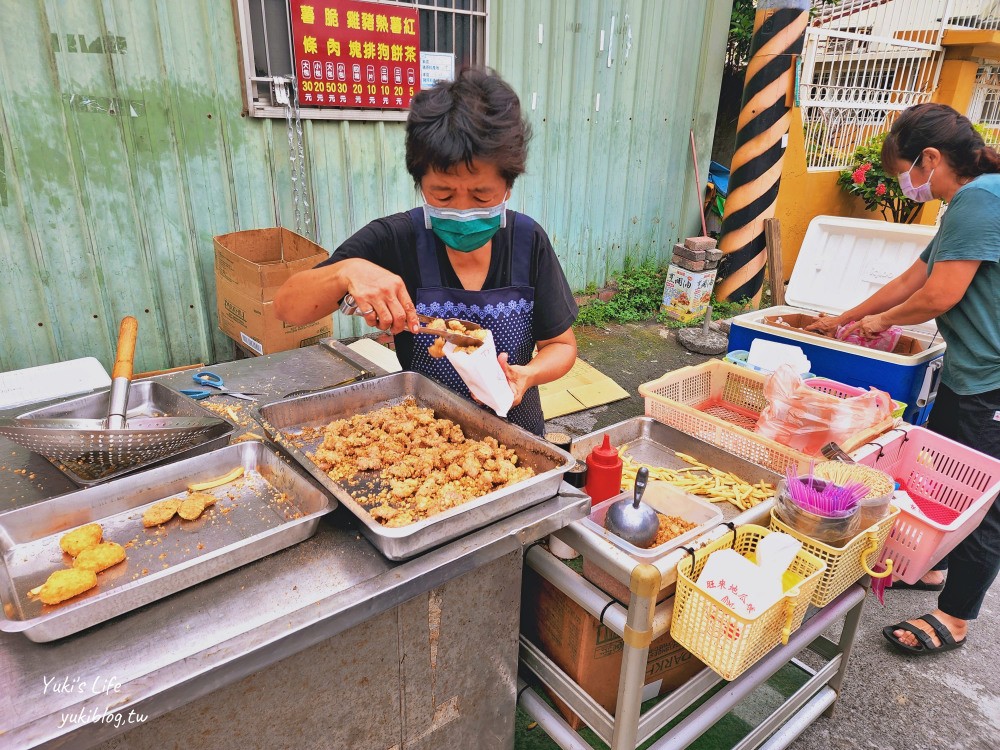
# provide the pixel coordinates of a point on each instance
(806, 419)
(482, 373)
(883, 342)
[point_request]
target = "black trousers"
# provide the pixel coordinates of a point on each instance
(973, 564)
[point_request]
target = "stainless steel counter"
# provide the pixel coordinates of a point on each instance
(170, 654)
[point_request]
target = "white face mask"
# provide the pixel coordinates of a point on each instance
(920, 193)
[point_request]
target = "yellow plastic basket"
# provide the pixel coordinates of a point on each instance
(720, 403)
(727, 642)
(844, 565)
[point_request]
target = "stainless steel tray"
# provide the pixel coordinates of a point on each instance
(284, 420)
(654, 443)
(272, 507)
(145, 399)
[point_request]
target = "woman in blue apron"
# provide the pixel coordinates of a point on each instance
(461, 254)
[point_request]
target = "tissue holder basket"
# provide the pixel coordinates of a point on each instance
(725, 641)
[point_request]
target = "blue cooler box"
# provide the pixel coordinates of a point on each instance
(841, 263)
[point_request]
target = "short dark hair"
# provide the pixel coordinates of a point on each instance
(476, 116)
(933, 125)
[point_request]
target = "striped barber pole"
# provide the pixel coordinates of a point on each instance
(779, 31)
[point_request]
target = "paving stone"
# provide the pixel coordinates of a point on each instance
(701, 243)
(682, 251)
(690, 265)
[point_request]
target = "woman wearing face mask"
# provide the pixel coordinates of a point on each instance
(461, 254)
(956, 280)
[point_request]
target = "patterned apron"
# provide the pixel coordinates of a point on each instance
(506, 312)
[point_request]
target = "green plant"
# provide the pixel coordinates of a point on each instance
(640, 292)
(866, 179)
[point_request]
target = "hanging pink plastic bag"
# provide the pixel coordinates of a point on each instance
(884, 342)
(806, 419)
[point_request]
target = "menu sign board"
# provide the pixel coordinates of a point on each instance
(355, 54)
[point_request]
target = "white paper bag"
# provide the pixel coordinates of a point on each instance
(747, 588)
(482, 373)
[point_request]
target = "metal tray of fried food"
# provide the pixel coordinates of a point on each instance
(292, 424)
(653, 443)
(272, 506)
(145, 399)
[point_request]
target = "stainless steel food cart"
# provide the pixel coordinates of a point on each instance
(642, 620)
(324, 644)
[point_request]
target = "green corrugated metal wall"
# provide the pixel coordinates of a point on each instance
(123, 152)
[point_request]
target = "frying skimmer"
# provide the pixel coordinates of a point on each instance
(94, 448)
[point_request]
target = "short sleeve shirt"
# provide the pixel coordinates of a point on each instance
(970, 230)
(390, 242)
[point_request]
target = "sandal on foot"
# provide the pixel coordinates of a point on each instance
(918, 586)
(926, 646)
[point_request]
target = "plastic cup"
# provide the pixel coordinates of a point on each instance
(834, 531)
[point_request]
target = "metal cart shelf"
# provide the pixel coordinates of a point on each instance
(645, 621)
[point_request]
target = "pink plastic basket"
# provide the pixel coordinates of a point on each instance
(841, 390)
(952, 484)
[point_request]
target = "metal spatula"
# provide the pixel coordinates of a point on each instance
(92, 448)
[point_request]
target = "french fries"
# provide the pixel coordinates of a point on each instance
(701, 480)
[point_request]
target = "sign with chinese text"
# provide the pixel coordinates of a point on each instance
(355, 54)
(436, 66)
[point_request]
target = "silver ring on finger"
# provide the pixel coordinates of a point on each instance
(367, 312)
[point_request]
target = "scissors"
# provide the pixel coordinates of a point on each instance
(216, 383)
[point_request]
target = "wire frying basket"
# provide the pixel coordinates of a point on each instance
(94, 449)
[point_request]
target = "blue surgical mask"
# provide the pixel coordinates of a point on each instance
(467, 229)
(920, 193)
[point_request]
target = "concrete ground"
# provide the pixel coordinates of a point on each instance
(890, 701)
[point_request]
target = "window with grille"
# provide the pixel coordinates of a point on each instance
(458, 27)
(984, 108)
(863, 62)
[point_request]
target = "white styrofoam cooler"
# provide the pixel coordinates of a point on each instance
(842, 262)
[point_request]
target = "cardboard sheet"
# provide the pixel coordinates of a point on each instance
(581, 388)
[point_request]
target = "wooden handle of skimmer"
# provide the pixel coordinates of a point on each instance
(125, 352)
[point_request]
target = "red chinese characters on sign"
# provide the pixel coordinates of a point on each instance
(355, 54)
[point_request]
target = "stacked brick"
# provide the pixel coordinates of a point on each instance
(687, 290)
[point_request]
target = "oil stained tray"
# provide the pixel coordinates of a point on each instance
(270, 507)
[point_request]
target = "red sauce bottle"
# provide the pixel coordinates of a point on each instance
(604, 472)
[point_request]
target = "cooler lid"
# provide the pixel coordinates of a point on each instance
(843, 261)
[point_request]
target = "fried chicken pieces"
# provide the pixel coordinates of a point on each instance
(91, 556)
(436, 349)
(188, 508)
(426, 465)
(65, 584)
(159, 513)
(99, 557)
(77, 540)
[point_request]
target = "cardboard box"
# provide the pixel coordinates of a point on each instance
(590, 653)
(250, 266)
(687, 294)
